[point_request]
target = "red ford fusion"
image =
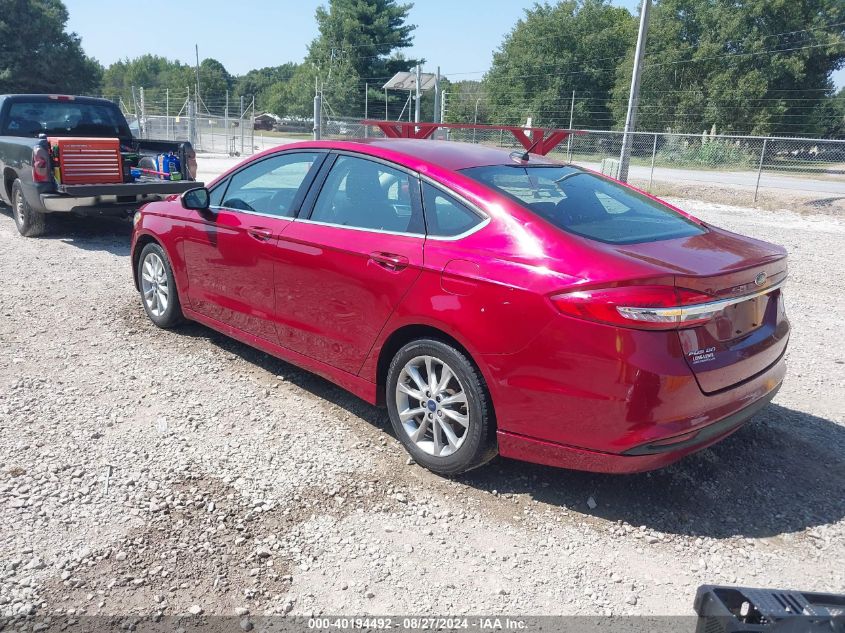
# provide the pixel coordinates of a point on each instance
(494, 302)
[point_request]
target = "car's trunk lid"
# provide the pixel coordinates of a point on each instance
(746, 336)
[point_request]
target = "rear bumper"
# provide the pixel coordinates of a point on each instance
(638, 459)
(594, 397)
(57, 203)
(119, 197)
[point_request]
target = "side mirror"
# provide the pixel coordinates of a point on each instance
(197, 199)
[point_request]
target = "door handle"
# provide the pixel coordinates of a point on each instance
(260, 233)
(390, 261)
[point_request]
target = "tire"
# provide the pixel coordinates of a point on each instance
(30, 222)
(158, 287)
(436, 436)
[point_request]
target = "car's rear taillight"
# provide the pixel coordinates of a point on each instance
(40, 164)
(643, 307)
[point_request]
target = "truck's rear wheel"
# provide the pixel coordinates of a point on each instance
(30, 222)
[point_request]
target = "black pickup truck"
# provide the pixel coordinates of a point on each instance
(65, 154)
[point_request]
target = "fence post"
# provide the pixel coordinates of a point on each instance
(192, 123)
(226, 126)
(135, 111)
(366, 108)
(241, 125)
(571, 118)
(436, 118)
(142, 125)
(653, 155)
(167, 113)
(318, 113)
(760, 169)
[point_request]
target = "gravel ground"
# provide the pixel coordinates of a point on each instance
(147, 471)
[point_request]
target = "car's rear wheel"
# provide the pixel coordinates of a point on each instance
(158, 287)
(30, 223)
(439, 407)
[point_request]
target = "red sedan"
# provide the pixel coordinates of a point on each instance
(495, 302)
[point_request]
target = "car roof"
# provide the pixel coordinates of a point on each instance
(414, 153)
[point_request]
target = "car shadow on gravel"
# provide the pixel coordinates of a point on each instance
(90, 233)
(318, 386)
(782, 472)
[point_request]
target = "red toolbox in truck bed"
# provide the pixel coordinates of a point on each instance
(83, 161)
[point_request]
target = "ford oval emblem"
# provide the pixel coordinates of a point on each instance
(760, 279)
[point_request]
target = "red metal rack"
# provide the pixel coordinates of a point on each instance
(533, 139)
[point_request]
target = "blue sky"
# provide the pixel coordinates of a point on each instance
(458, 35)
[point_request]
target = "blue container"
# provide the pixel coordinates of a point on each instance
(169, 164)
(174, 168)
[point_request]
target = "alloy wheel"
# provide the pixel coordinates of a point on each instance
(432, 406)
(154, 285)
(20, 211)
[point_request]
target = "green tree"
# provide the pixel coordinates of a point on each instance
(830, 116)
(573, 45)
(464, 99)
(215, 81)
(152, 72)
(156, 74)
(359, 42)
(751, 66)
(293, 97)
(257, 83)
(37, 54)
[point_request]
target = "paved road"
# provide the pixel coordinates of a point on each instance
(735, 179)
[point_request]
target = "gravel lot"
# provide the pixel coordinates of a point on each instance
(144, 471)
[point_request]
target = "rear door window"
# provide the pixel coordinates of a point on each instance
(444, 215)
(587, 204)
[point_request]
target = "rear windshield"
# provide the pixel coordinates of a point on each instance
(65, 118)
(586, 204)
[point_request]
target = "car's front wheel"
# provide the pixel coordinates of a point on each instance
(439, 407)
(158, 287)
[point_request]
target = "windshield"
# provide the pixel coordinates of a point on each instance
(65, 118)
(585, 203)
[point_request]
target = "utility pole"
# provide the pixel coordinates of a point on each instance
(634, 96)
(197, 51)
(417, 106)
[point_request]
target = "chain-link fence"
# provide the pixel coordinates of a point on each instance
(216, 125)
(745, 164)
